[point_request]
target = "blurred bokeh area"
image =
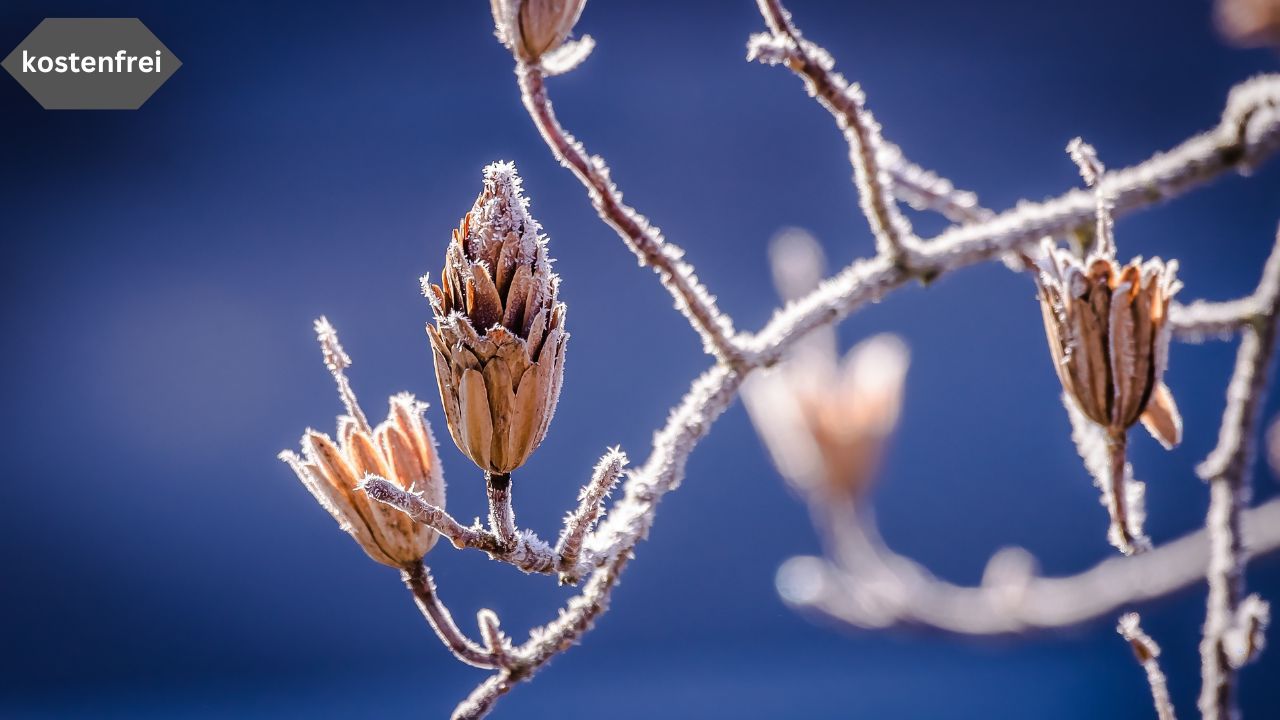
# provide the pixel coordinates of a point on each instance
(163, 267)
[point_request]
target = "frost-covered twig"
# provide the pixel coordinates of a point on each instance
(1148, 653)
(846, 102)
(527, 552)
(644, 239)
(1012, 597)
(418, 580)
(1248, 133)
(1227, 471)
(590, 506)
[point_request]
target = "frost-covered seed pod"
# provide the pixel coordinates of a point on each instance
(401, 449)
(1108, 335)
(499, 336)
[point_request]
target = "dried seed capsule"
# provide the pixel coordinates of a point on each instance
(1108, 334)
(499, 337)
(400, 449)
(533, 28)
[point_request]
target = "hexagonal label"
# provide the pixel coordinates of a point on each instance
(91, 63)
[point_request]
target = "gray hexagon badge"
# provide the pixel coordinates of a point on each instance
(91, 63)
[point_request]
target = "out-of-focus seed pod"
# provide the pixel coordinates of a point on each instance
(825, 421)
(533, 28)
(401, 449)
(1249, 23)
(499, 337)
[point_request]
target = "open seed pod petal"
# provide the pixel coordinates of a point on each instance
(341, 479)
(408, 412)
(477, 430)
(392, 529)
(325, 455)
(484, 305)
(410, 475)
(535, 333)
(1053, 332)
(346, 427)
(1128, 390)
(1162, 419)
(517, 295)
(506, 264)
(336, 503)
(557, 377)
(527, 412)
(1090, 354)
(497, 382)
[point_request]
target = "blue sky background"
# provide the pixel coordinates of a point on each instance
(163, 267)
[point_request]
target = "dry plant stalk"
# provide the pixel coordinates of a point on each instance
(499, 344)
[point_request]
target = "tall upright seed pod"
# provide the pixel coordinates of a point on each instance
(499, 337)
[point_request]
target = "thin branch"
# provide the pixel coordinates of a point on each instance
(1204, 319)
(418, 580)
(887, 589)
(924, 189)
(645, 240)
(1249, 132)
(527, 552)
(590, 506)
(1148, 653)
(1227, 471)
(846, 103)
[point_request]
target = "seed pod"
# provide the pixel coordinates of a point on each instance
(499, 337)
(1108, 335)
(533, 28)
(401, 450)
(825, 422)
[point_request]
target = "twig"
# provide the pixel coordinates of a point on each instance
(1227, 472)
(527, 552)
(1147, 652)
(1250, 130)
(645, 240)
(1012, 599)
(846, 103)
(418, 580)
(590, 506)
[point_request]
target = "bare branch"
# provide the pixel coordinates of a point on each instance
(1011, 599)
(1227, 471)
(525, 552)
(418, 580)
(1148, 652)
(590, 506)
(1250, 131)
(846, 103)
(645, 240)
(924, 189)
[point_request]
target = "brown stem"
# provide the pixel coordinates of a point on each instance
(502, 516)
(1117, 503)
(418, 579)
